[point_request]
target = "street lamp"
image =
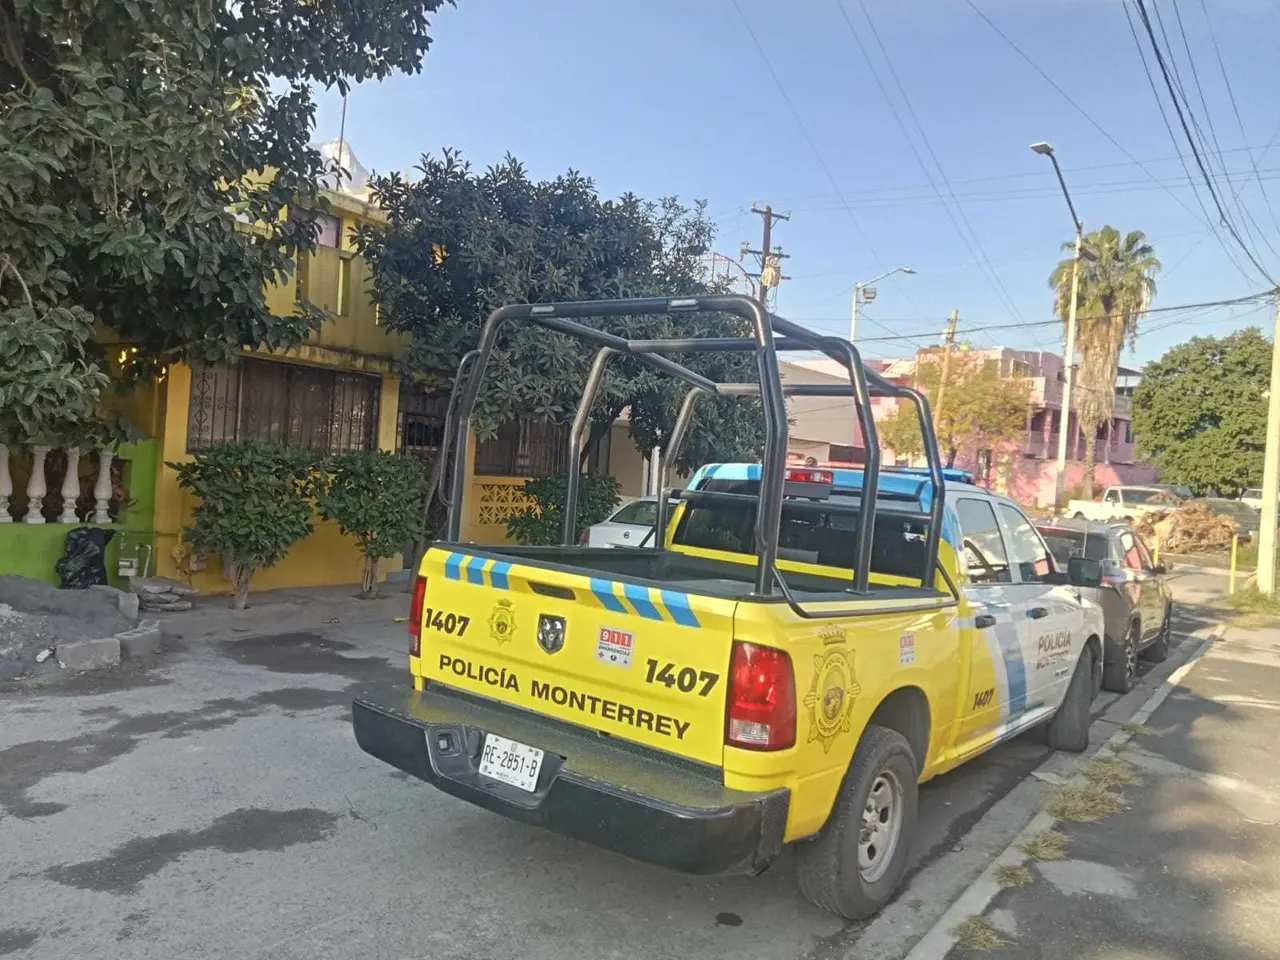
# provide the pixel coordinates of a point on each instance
(857, 296)
(1059, 487)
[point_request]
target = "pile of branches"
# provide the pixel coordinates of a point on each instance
(1190, 529)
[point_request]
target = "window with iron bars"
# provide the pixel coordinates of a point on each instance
(307, 408)
(533, 448)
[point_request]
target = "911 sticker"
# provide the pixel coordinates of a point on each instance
(906, 649)
(614, 647)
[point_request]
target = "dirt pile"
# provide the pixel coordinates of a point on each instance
(1190, 529)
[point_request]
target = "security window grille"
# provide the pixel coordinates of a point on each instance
(533, 448)
(306, 408)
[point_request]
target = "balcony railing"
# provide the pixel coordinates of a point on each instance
(67, 504)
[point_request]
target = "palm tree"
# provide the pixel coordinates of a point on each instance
(1115, 288)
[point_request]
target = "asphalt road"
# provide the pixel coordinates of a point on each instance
(216, 806)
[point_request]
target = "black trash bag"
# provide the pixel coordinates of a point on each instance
(83, 563)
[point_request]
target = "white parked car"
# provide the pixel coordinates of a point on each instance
(1123, 504)
(628, 526)
(1253, 497)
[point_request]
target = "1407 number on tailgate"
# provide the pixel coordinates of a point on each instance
(450, 623)
(683, 678)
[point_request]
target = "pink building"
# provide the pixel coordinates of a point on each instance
(1026, 469)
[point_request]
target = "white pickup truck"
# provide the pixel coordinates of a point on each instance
(1123, 503)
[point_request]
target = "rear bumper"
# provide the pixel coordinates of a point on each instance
(591, 788)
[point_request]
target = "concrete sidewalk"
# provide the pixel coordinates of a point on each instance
(1189, 866)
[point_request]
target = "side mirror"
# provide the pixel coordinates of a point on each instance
(1082, 572)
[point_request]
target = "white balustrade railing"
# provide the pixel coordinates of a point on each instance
(38, 489)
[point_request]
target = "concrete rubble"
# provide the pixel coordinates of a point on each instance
(44, 629)
(162, 594)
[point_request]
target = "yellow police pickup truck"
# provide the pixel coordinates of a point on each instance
(803, 648)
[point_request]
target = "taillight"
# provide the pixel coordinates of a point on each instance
(586, 535)
(415, 615)
(761, 709)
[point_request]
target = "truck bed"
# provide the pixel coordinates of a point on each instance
(673, 570)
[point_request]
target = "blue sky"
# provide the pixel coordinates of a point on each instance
(675, 97)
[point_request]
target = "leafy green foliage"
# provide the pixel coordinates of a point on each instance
(1200, 411)
(461, 244)
(543, 522)
(376, 498)
(980, 409)
(254, 504)
(148, 155)
(1115, 287)
(49, 386)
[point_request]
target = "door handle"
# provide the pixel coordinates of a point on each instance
(984, 621)
(1037, 613)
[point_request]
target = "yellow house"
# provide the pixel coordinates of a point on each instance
(334, 393)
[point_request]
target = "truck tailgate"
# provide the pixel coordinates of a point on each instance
(628, 659)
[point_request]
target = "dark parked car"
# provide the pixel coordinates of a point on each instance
(1248, 520)
(1134, 596)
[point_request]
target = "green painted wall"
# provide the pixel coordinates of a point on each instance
(32, 549)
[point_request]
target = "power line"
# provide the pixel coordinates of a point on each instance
(1191, 142)
(813, 147)
(1235, 107)
(979, 253)
(1079, 109)
(1250, 298)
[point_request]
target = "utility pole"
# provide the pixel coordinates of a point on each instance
(948, 341)
(771, 257)
(1069, 378)
(1271, 473)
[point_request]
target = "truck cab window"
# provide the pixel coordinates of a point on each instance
(983, 546)
(1027, 549)
(1112, 496)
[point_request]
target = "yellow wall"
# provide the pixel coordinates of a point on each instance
(326, 557)
(626, 464)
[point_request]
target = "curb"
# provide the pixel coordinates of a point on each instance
(975, 898)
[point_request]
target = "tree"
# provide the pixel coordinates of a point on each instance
(983, 411)
(542, 523)
(461, 243)
(149, 153)
(255, 503)
(1116, 286)
(1200, 411)
(376, 498)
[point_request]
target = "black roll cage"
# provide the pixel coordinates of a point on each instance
(770, 334)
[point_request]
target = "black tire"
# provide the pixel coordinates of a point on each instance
(1122, 675)
(1158, 652)
(1069, 728)
(1078, 516)
(828, 869)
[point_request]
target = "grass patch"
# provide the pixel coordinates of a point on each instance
(1251, 602)
(1139, 730)
(1010, 875)
(1086, 804)
(1107, 771)
(1045, 845)
(978, 933)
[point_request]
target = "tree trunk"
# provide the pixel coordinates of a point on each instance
(951, 456)
(369, 580)
(240, 585)
(1090, 454)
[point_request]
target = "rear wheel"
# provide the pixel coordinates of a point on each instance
(1122, 675)
(854, 865)
(1078, 516)
(1158, 652)
(1069, 728)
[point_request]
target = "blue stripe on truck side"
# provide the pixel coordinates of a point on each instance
(677, 605)
(474, 566)
(453, 567)
(603, 589)
(639, 597)
(498, 575)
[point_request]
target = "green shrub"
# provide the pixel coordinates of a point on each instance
(541, 523)
(376, 498)
(255, 503)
